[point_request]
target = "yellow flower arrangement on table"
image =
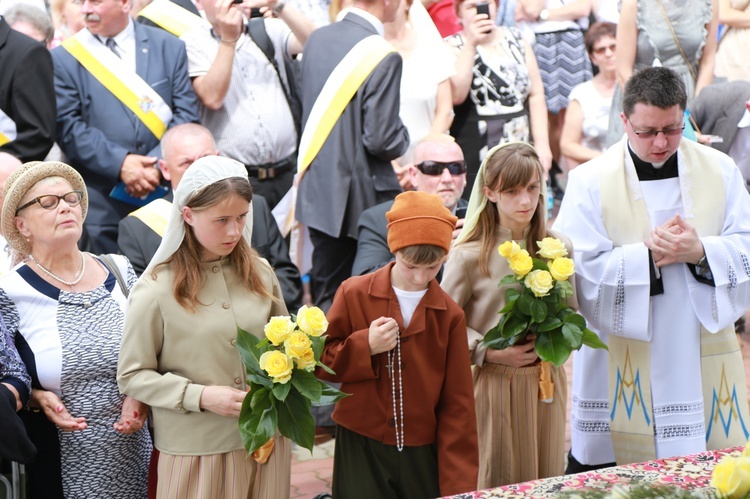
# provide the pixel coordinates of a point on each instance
(280, 376)
(540, 307)
(731, 475)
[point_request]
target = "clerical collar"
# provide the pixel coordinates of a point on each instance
(647, 171)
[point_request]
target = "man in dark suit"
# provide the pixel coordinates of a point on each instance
(104, 138)
(27, 96)
(439, 168)
(140, 232)
(352, 171)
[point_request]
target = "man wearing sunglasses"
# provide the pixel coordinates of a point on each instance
(661, 231)
(439, 168)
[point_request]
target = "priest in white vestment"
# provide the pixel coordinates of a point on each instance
(661, 231)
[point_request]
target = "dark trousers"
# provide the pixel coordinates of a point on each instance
(332, 261)
(273, 189)
(364, 468)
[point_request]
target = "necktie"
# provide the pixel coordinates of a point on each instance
(112, 45)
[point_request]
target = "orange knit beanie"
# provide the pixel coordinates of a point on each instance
(419, 218)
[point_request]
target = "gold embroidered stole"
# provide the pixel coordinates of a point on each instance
(154, 215)
(626, 221)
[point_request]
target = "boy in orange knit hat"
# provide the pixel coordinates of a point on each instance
(397, 343)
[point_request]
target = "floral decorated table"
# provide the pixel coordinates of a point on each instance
(687, 472)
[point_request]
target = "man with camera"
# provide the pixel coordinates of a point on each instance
(439, 168)
(243, 94)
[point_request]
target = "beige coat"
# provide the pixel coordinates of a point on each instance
(169, 354)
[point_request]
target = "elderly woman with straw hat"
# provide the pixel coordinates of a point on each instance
(65, 311)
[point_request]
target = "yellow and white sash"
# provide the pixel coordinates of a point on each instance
(7, 129)
(626, 220)
(173, 18)
(126, 85)
(154, 215)
(338, 90)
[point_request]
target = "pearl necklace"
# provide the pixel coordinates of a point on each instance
(397, 417)
(76, 277)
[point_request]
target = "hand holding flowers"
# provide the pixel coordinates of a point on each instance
(281, 380)
(540, 306)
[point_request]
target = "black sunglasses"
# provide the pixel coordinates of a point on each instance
(436, 167)
(50, 201)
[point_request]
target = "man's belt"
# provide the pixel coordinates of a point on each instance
(272, 170)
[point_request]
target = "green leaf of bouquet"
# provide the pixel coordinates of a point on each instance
(256, 427)
(512, 294)
(573, 335)
(549, 324)
(502, 343)
(295, 420)
(247, 346)
(325, 368)
(591, 339)
(258, 397)
(307, 384)
(281, 390)
(538, 311)
(576, 319)
(508, 279)
(552, 347)
(496, 332)
(509, 307)
(514, 326)
(565, 288)
(330, 395)
(524, 303)
(539, 264)
(317, 345)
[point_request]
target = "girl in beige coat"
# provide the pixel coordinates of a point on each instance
(521, 438)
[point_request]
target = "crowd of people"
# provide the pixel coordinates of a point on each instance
(171, 170)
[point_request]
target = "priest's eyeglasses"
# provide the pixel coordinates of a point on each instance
(50, 201)
(436, 167)
(650, 134)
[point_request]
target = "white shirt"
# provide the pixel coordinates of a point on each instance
(125, 41)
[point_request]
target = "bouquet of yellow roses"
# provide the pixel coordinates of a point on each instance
(731, 475)
(540, 307)
(281, 380)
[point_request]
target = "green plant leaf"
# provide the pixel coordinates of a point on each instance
(573, 335)
(307, 384)
(539, 264)
(565, 288)
(281, 390)
(552, 348)
(550, 324)
(508, 279)
(538, 311)
(317, 345)
(497, 331)
(250, 352)
(515, 326)
(576, 319)
(258, 397)
(325, 368)
(524, 303)
(330, 395)
(509, 307)
(502, 343)
(257, 426)
(591, 339)
(512, 294)
(295, 420)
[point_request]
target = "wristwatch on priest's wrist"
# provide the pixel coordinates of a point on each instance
(543, 15)
(702, 263)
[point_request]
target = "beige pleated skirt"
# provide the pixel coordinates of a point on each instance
(520, 438)
(232, 475)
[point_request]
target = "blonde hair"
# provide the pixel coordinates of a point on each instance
(187, 261)
(511, 166)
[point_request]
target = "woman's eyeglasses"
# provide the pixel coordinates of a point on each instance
(50, 201)
(603, 50)
(436, 167)
(650, 134)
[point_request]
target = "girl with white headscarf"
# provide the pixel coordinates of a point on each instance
(178, 353)
(520, 414)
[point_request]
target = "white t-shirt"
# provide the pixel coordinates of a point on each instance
(408, 301)
(595, 109)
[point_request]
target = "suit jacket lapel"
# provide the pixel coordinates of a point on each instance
(141, 52)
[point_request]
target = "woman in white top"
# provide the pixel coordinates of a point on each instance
(587, 120)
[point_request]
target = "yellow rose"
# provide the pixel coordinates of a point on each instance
(278, 329)
(731, 476)
(306, 361)
(312, 320)
(550, 247)
(508, 249)
(297, 344)
(539, 282)
(561, 268)
(521, 264)
(277, 365)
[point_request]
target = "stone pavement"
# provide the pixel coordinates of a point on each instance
(311, 475)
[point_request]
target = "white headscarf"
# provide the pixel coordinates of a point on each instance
(478, 199)
(202, 173)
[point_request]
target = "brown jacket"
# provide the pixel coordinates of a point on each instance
(438, 390)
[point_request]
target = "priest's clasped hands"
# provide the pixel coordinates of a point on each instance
(675, 241)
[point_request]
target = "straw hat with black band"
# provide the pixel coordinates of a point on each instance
(20, 182)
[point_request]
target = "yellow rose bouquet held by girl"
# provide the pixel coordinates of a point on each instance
(280, 375)
(540, 307)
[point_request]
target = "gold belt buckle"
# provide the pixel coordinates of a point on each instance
(262, 173)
